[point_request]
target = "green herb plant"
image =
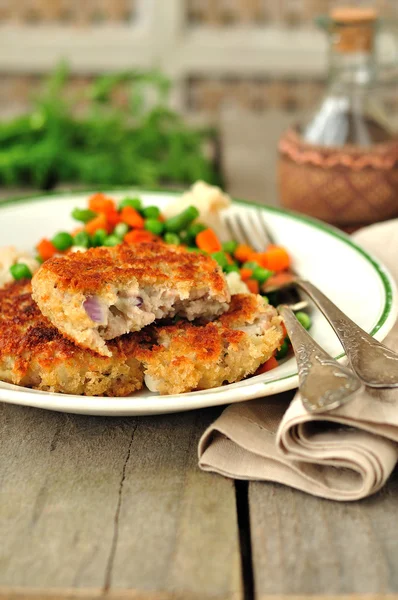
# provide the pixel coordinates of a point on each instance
(143, 143)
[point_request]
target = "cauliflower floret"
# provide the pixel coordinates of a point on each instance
(235, 284)
(208, 199)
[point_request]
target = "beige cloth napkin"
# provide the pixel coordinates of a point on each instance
(346, 454)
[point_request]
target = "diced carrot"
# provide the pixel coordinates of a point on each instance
(253, 286)
(259, 257)
(284, 330)
(208, 241)
(99, 222)
(46, 249)
(113, 217)
(243, 252)
(137, 236)
(279, 279)
(229, 258)
(132, 217)
(275, 258)
(245, 273)
(270, 364)
(100, 203)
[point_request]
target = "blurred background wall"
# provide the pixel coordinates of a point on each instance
(230, 60)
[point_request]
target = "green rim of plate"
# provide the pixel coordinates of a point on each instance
(293, 215)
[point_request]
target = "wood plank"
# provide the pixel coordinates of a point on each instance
(108, 504)
(306, 545)
(189, 525)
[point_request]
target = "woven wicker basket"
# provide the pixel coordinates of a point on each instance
(348, 187)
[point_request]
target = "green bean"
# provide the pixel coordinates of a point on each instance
(20, 271)
(83, 214)
(62, 240)
(193, 231)
(182, 220)
(134, 202)
(154, 226)
(98, 237)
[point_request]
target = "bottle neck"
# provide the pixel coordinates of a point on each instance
(351, 71)
(351, 56)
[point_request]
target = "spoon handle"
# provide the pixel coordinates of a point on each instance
(324, 384)
(375, 364)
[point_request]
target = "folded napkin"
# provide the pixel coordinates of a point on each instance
(346, 454)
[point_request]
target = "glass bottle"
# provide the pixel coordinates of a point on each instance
(350, 113)
(341, 165)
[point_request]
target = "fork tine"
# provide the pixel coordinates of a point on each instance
(257, 241)
(243, 230)
(264, 228)
(233, 229)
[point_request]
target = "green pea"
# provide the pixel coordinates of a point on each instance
(111, 240)
(193, 231)
(230, 246)
(261, 275)
(98, 238)
(283, 350)
(172, 238)
(82, 239)
(304, 319)
(62, 241)
(151, 212)
(39, 259)
(83, 214)
(250, 264)
(196, 250)
(134, 202)
(120, 230)
(154, 226)
(182, 220)
(20, 271)
(220, 258)
(231, 269)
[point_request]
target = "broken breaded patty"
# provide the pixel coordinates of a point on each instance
(185, 357)
(103, 293)
(34, 354)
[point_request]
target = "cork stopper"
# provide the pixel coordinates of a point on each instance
(353, 28)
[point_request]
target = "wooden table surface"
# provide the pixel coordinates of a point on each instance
(95, 507)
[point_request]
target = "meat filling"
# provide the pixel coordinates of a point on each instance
(132, 311)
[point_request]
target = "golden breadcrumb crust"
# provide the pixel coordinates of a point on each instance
(185, 356)
(150, 263)
(34, 354)
(62, 285)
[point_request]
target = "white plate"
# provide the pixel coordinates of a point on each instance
(355, 281)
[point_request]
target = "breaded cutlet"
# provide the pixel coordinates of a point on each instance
(34, 354)
(185, 356)
(98, 295)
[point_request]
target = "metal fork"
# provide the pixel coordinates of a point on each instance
(375, 364)
(324, 384)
